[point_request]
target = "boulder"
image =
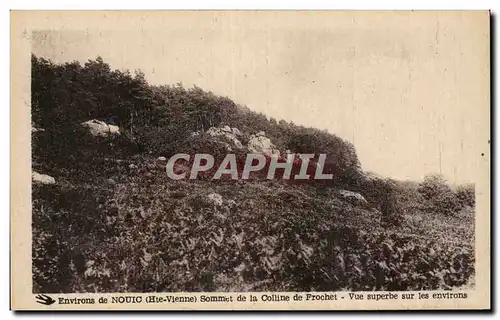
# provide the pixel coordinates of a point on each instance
(353, 197)
(39, 178)
(228, 134)
(99, 128)
(215, 199)
(262, 144)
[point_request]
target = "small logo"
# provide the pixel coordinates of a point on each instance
(44, 299)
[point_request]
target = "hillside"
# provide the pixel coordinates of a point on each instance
(113, 221)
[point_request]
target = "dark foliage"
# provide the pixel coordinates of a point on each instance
(113, 222)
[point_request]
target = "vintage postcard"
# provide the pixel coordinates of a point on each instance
(250, 160)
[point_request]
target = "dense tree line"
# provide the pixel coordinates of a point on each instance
(154, 120)
(160, 120)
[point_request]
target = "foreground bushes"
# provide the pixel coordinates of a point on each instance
(442, 199)
(151, 235)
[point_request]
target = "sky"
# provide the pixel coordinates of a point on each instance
(410, 90)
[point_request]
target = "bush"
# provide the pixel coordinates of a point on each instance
(438, 195)
(466, 194)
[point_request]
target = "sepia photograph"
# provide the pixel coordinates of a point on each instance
(341, 155)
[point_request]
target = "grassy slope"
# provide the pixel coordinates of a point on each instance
(136, 230)
(104, 227)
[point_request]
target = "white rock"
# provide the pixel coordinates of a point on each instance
(227, 133)
(216, 199)
(42, 178)
(262, 144)
(100, 128)
(354, 197)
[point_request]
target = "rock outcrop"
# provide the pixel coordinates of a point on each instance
(259, 143)
(39, 178)
(216, 199)
(353, 197)
(99, 128)
(227, 133)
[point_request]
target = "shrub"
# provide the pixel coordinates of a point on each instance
(466, 194)
(438, 195)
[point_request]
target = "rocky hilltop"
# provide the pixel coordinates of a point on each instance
(106, 217)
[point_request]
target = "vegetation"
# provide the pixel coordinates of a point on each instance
(107, 226)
